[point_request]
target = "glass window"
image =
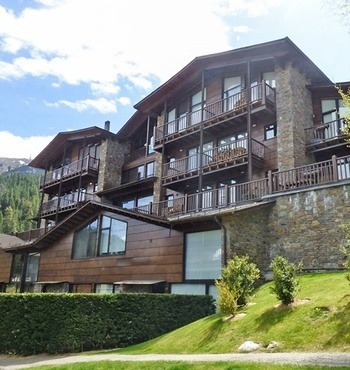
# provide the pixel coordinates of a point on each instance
(150, 169)
(144, 201)
(32, 267)
(270, 131)
(140, 172)
(270, 78)
(112, 236)
(103, 288)
(129, 204)
(203, 255)
(84, 241)
(31, 273)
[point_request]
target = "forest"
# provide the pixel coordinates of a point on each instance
(19, 202)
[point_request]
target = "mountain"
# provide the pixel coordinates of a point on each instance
(10, 166)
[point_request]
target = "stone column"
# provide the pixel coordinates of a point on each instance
(294, 114)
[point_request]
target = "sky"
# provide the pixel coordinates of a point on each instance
(70, 64)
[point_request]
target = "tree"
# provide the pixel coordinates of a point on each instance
(285, 279)
(346, 99)
(236, 283)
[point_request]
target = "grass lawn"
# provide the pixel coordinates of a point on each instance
(164, 365)
(320, 321)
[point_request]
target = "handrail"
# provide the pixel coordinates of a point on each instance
(82, 165)
(236, 103)
(325, 131)
(70, 200)
(315, 174)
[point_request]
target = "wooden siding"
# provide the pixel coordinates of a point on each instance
(5, 266)
(152, 253)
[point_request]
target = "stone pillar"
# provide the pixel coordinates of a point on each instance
(294, 114)
(111, 162)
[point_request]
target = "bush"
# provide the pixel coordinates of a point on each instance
(61, 323)
(236, 283)
(285, 279)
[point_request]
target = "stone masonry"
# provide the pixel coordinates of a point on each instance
(303, 226)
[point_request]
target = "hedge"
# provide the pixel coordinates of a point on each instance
(63, 323)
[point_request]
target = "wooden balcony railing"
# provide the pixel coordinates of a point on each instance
(231, 106)
(73, 169)
(316, 174)
(316, 135)
(224, 155)
(33, 234)
(65, 202)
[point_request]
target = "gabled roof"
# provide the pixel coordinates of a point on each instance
(282, 50)
(79, 218)
(9, 241)
(55, 148)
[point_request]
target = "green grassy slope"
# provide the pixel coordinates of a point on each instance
(319, 321)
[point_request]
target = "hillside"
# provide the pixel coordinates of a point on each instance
(320, 321)
(16, 165)
(19, 201)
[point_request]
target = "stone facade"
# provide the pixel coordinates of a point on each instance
(294, 114)
(303, 227)
(111, 163)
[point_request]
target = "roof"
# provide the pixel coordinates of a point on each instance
(79, 218)
(7, 242)
(282, 50)
(56, 147)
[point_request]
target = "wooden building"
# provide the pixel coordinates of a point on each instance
(155, 207)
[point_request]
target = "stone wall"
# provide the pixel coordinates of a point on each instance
(303, 227)
(294, 114)
(111, 163)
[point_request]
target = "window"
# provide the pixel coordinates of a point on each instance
(112, 236)
(270, 131)
(31, 273)
(84, 241)
(333, 110)
(103, 288)
(203, 255)
(270, 78)
(196, 106)
(232, 89)
(150, 169)
(105, 234)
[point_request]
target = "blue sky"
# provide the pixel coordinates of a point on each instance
(70, 64)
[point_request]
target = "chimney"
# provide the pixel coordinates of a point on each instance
(107, 125)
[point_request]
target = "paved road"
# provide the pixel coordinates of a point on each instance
(325, 359)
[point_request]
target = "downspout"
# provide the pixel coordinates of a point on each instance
(224, 241)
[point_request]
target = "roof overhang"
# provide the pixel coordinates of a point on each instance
(281, 51)
(56, 147)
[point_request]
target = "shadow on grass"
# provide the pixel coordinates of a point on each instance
(342, 319)
(273, 316)
(214, 330)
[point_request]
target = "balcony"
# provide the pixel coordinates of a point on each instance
(85, 166)
(262, 99)
(324, 136)
(317, 174)
(222, 157)
(67, 202)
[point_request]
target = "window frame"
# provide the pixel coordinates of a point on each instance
(98, 236)
(271, 127)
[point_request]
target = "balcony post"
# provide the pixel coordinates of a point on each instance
(185, 203)
(335, 168)
(270, 181)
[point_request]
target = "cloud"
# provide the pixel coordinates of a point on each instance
(102, 105)
(13, 146)
(121, 44)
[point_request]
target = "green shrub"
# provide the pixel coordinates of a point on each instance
(236, 283)
(60, 323)
(285, 279)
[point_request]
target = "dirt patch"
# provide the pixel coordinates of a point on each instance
(295, 303)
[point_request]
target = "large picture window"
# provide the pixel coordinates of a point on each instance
(203, 255)
(102, 237)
